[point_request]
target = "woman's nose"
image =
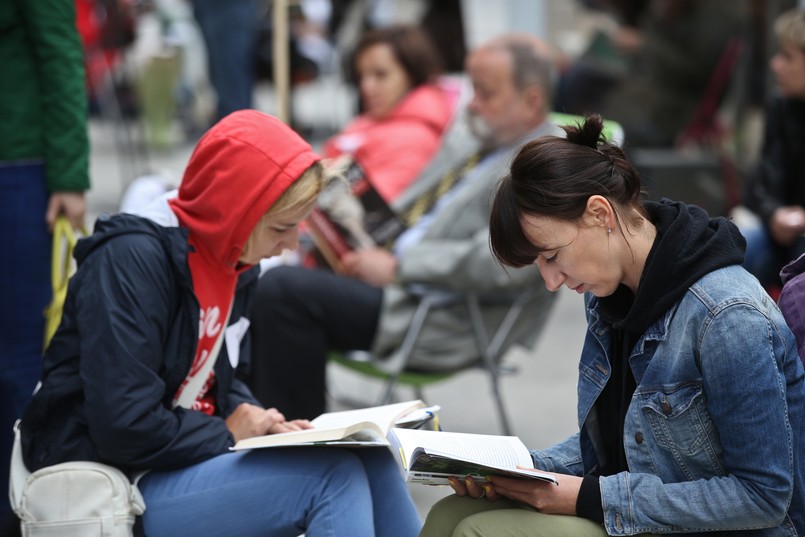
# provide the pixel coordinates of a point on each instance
(553, 278)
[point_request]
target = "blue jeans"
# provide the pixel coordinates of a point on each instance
(321, 492)
(229, 29)
(24, 292)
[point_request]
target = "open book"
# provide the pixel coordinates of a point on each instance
(430, 457)
(350, 215)
(361, 427)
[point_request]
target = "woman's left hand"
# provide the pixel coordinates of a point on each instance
(543, 496)
(250, 420)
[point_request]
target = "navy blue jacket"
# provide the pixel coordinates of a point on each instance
(125, 344)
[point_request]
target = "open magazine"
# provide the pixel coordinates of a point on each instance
(350, 215)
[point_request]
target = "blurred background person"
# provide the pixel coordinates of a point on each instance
(230, 30)
(44, 171)
(405, 110)
(776, 189)
(650, 70)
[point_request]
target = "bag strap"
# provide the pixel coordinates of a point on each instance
(62, 267)
(19, 473)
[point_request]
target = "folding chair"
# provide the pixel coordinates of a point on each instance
(613, 131)
(394, 370)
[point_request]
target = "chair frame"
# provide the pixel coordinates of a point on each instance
(394, 370)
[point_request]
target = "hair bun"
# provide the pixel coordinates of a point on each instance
(587, 133)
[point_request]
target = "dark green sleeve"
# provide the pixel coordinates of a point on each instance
(60, 71)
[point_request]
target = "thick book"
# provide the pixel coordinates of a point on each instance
(361, 427)
(351, 215)
(430, 457)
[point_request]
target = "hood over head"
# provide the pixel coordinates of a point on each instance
(239, 168)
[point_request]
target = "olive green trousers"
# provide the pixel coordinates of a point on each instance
(457, 516)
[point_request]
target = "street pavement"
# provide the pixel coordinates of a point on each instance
(540, 396)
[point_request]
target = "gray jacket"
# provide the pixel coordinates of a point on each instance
(454, 253)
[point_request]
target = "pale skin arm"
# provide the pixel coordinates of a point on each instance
(543, 496)
(251, 420)
(71, 204)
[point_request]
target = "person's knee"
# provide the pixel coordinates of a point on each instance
(469, 528)
(344, 469)
(281, 284)
(446, 514)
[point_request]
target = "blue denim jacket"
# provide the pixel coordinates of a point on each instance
(714, 431)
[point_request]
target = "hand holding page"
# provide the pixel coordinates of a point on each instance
(430, 457)
(362, 427)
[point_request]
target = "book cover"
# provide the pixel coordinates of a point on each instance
(430, 457)
(365, 426)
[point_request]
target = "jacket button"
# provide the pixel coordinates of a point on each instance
(666, 407)
(638, 437)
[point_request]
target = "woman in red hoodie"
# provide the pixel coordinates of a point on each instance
(141, 372)
(405, 108)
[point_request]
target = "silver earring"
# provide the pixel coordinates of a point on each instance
(609, 230)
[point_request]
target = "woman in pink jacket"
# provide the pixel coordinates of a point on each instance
(405, 109)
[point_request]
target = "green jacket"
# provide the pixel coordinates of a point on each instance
(43, 105)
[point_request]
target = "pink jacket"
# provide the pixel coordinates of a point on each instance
(393, 150)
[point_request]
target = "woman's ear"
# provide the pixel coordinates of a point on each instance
(599, 212)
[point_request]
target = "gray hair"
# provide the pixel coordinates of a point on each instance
(532, 61)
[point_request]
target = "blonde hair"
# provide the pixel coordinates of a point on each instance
(790, 27)
(301, 192)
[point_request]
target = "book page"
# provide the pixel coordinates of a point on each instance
(384, 416)
(365, 426)
(501, 451)
(429, 457)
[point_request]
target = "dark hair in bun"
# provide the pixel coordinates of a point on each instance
(555, 176)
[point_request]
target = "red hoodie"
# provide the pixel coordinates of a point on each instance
(239, 168)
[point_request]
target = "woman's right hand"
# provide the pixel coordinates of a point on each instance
(251, 420)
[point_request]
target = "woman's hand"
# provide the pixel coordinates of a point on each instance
(288, 426)
(543, 496)
(474, 489)
(250, 420)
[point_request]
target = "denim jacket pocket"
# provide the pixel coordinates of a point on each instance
(681, 427)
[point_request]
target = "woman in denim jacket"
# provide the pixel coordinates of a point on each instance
(691, 393)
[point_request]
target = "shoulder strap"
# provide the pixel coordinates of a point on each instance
(19, 473)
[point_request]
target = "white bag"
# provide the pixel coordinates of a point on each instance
(73, 499)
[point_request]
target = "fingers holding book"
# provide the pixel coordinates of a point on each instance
(553, 498)
(472, 488)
